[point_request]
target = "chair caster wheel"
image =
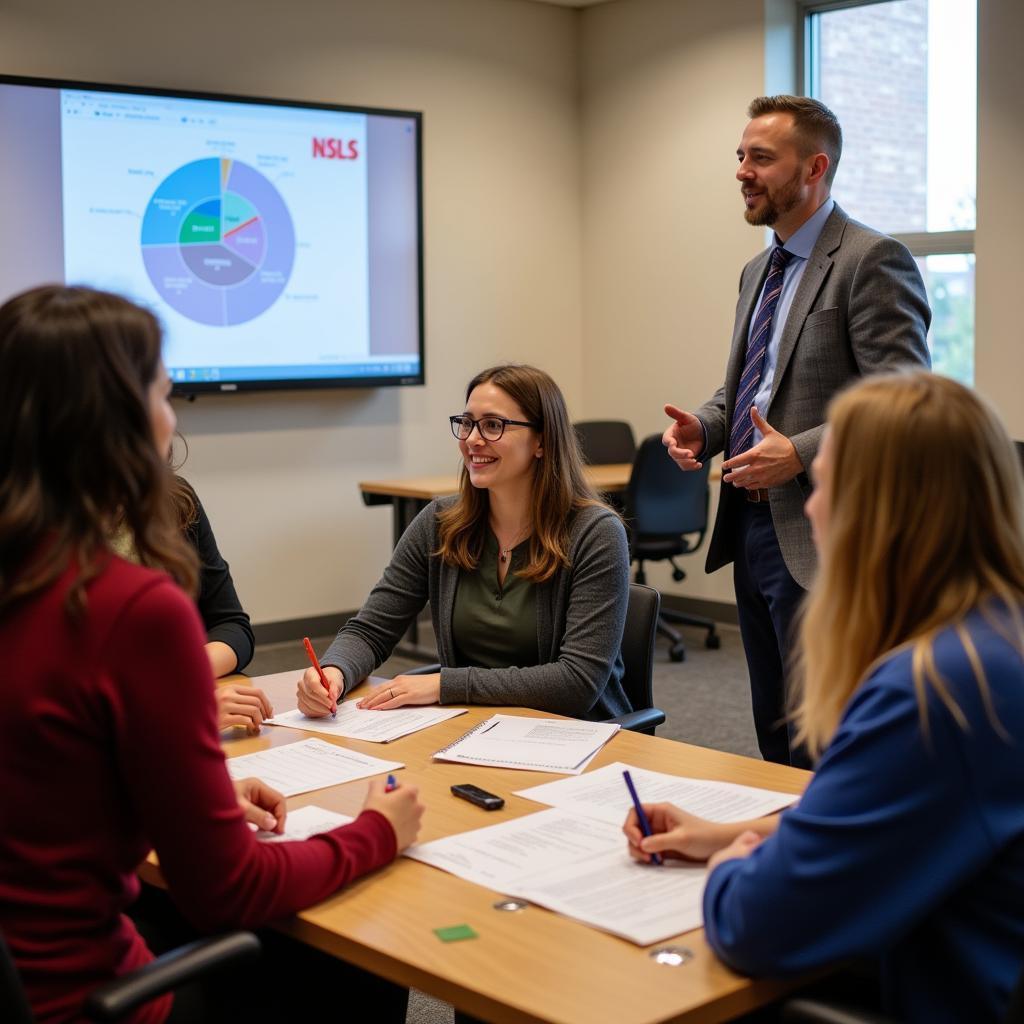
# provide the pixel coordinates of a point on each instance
(713, 642)
(677, 653)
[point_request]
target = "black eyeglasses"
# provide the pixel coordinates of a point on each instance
(491, 427)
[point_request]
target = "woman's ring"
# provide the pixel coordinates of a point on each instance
(392, 692)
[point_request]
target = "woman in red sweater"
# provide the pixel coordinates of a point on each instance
(108, 727)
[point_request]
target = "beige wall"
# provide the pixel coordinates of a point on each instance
(1000, 233)
(580, 213)
(498, 85)
(665, 87)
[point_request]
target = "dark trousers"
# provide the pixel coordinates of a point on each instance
(767, 600)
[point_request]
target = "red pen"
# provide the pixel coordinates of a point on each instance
(319, 670)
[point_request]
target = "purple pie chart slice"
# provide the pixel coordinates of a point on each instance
(181, 289)
(248, 241)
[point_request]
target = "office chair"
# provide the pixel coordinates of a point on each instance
(604, 442)
(667, 515)
(818, 1011)
(119, 997)
(637, 658)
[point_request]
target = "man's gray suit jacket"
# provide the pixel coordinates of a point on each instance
(860, 308)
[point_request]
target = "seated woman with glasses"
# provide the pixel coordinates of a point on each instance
(907, 847)
(526, 572)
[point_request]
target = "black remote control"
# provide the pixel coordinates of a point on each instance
(480, 797)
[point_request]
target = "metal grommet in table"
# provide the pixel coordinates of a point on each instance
(671, 956)
(510, 906)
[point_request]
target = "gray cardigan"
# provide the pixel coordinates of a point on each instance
(581, 612)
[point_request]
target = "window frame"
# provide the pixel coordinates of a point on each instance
(920, 243)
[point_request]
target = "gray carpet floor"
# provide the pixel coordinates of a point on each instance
(705, 699)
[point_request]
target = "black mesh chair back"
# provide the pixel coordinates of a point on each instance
(666, 513)
(638, 645)
(661, 499)
(121, 996)
(604, 442)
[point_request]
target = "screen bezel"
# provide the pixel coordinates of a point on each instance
(186, 388)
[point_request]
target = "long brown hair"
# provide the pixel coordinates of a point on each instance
(77, 453)
(559, 484)
(926, 524)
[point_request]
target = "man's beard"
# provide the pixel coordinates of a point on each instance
(774, 206)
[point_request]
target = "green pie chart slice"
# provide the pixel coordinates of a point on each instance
(202, 225)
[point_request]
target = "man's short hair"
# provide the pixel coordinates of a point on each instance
(816, 128)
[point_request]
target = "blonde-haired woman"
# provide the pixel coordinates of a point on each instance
(908, 844)
(526, 572)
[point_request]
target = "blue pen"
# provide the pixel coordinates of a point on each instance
(392, 783)
(645, 825)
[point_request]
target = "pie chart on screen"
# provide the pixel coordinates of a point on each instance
(218, 241)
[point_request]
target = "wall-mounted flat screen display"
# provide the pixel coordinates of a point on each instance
(280, 243)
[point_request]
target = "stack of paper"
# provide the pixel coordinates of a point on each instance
(573, 857)
(577, 866)
(375, 726)
(602, 794)
(532, 744)
(311, 764)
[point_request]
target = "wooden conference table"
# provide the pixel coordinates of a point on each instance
(526, 966)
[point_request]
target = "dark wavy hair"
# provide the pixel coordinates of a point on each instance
(77, 453)
(560, 486)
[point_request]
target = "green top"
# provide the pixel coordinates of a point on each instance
(122, 543)
(495, 625)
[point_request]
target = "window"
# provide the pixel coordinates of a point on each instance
(901, 75)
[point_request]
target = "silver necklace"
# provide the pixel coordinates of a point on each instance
(505, 553)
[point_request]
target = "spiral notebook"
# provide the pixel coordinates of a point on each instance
(530, 744)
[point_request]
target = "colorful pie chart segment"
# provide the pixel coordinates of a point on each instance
(218, 241)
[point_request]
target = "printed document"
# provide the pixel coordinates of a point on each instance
(500, 856)
(307, 765)
(375, 726)
(532, 744)
(305, 822)
(577, 866)
(602, 794)
(644, 903)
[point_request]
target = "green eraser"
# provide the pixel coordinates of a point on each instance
(455, 933)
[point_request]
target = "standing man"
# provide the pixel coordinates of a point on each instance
(829, 301)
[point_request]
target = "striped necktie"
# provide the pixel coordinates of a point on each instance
(742, 430)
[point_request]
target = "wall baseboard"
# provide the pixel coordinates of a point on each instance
(296, 629)
(328, 625)
(718, 611)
